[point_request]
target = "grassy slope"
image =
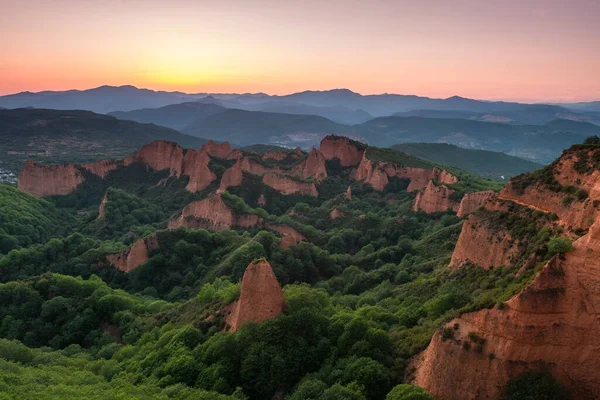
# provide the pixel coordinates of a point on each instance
(489, 164)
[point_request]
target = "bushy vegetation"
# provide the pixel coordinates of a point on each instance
(536, 385)
(25, 219)
(364, 292)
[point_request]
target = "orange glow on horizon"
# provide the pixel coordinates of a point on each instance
(524, 50)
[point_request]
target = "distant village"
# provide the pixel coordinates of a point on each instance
(7, 176)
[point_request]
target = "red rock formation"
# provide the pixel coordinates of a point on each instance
(195, 165)
(473, 201)
(43, 180)
(232, 176)
(159, 155)
(313, 166)
(349, 194)
(377, 174)
(261, 297)
(349, 152)
(554, 321)
(103, 167)
(335, 214)
(484, 246)
(291, 237)
(576, 214)
(102, 207)
(420, 177)
(218, 150)
(261, 202)
(435, 198)
(287, 185)
(235, 155)
(371, 173)
(212, 213)
(131, 258)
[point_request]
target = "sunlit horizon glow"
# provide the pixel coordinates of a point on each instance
(516, 50)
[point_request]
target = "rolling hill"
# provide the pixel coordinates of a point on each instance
(489, 164)
(75, 136)
(539, 143)
(175, 116)
(251, 127)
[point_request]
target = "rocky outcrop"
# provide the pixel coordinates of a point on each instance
(232, 176)
(235, 155)
(49, 180)
(471, 202)
(574, 214)
(335, 214)
(159, 155)
(287, 185)
(420, 177)
(349, 194)
(347, 151)
(218, 150)
(281, 155)
(195, 165)
(553, 322)
(313, 166)
(212, 213)
(261, 297)
(291, 237)
(102, 168)
(372, 173)
(484, 246)
(43, 180)
(435, 198)
(131, 258)
(377, 174)
(102, 207)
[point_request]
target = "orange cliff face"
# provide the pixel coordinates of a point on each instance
(348, 152)
(131, 258)
(102, 207)
(371, 172)
(48, 180)
(261, 297)
(377, 174)
(574, 169)
(219, 150)
(313, 166)
(471, 202)
(195, 165)
(281, 155)
(287, 185)
(159, 155)
(43, 180)
(212, 213)
(553, 322)
(484, 246)
(435, 198)
(291, 236)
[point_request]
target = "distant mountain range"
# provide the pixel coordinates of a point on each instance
(537, 132)
(540, 142)
(339, 105)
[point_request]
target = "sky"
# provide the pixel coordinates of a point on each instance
(523, 50)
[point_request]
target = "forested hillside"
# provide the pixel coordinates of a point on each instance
(123, 286)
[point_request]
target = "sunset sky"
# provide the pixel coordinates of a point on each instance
(528, 50)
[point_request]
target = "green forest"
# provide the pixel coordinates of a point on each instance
(363, 294)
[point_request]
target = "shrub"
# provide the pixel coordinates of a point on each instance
(559, 245)
(535, 385)
(581, 194)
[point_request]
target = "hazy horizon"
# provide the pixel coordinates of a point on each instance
(527, 51)
(300, 91)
